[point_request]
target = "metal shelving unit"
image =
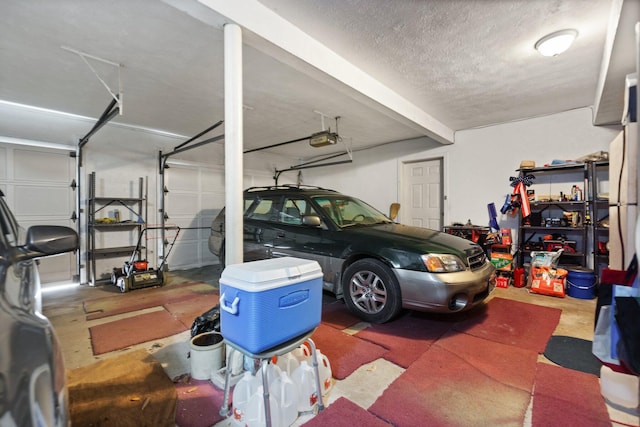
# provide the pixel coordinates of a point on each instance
(587, 234)
(137, 208)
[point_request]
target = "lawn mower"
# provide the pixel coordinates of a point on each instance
(136, 274)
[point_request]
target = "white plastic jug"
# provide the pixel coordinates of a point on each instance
(286, 394)
(324, 371)
(301, 352)
(242, 394)
(235, 360)
(255, 416)
(305, 379)
(273, 372)
(288, 363)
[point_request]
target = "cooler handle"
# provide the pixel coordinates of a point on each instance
(233, 309)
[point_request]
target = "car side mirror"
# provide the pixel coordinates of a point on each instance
(311, 220)
(43, 240)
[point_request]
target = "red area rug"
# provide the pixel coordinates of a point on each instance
(343, 413)
(346, 353)
(461, 380)
(188, 309)
(337, 315)
(406, 338)
(139, 299)
(567, 397)
(127, 332)
(199, 403)
(512, 322)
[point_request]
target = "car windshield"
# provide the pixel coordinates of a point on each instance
(347, 211)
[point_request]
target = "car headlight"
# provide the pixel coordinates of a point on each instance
(442, 263)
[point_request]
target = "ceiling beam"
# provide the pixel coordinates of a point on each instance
(617, 60)
(291, 45)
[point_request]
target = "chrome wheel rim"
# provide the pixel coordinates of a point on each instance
(368, 292)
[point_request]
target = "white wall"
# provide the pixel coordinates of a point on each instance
(476, 168)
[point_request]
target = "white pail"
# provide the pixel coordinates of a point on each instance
(206, 355)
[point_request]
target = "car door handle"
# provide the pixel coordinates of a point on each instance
(280, 234)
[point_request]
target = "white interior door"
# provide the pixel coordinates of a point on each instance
(421, 201)
(37, 185)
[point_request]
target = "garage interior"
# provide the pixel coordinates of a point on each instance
(182, 104)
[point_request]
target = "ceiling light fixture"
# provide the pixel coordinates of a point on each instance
(555, 43)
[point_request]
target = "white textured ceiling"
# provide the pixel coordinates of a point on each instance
(464, 63)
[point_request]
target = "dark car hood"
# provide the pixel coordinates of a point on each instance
(421, 240)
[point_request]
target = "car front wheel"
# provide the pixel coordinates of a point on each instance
(371, 291)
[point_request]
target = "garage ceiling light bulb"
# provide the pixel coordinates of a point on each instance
(555, 43)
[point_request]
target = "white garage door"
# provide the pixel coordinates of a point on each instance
(195, 196)
(37, 185)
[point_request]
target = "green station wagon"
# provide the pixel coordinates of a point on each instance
(379, 267)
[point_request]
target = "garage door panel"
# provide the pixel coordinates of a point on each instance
(195, 197)
(184, 254)
(188, 229)
(182, 179)
(42, 201)
(213, 201)
(117, 238)
(33, 165)
(182, 204)
(37, 182)
(50, 267)
(213, 181)
(207, 256)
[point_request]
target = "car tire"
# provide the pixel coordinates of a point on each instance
(371, 291)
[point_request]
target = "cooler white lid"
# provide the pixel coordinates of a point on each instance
(270, 272)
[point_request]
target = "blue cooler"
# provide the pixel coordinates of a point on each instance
(267, 303)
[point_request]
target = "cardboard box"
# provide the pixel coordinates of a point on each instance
(502, 261)
(505, 235)
(502, 282)
(267, 303)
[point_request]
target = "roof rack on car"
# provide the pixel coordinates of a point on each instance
(287, 187)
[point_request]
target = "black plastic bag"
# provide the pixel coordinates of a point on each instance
(207, 322)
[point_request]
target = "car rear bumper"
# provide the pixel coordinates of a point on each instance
(445, 292)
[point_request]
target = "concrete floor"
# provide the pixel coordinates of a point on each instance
(65, 310)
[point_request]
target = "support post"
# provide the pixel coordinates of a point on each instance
(233, 162)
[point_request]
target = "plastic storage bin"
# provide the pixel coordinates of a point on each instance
(267, 303)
